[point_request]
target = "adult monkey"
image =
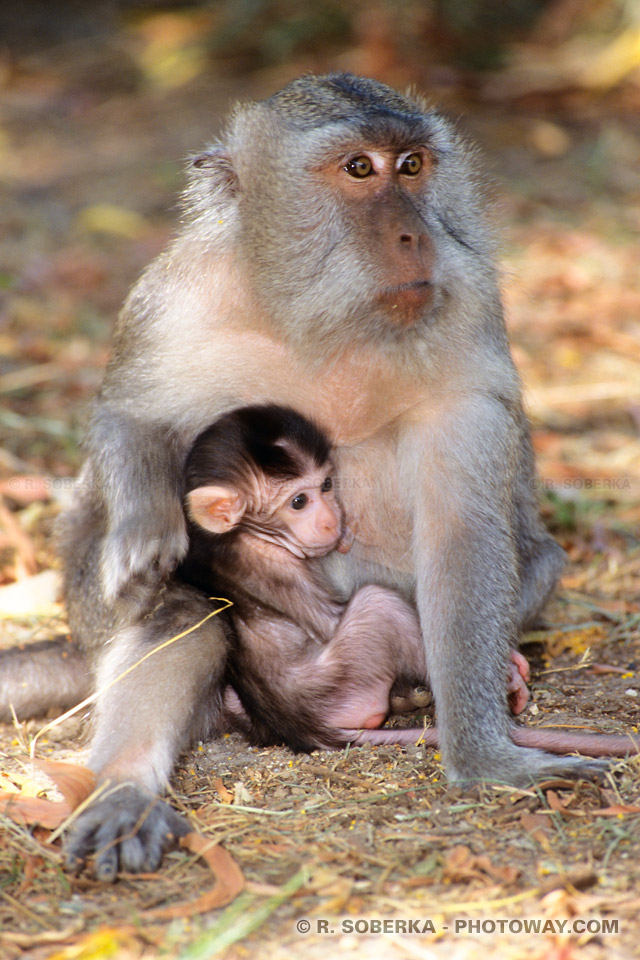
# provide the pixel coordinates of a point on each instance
(335, 259)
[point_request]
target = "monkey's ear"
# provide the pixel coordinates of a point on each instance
(217, 509)
(216, 165)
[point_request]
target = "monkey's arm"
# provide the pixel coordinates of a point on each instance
(142, 722)
(467, 588)
(136, 465)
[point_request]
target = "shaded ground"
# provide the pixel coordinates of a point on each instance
(89, 167)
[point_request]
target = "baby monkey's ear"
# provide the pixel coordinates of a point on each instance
(216, 509)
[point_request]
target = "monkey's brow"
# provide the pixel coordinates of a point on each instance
(343, 150)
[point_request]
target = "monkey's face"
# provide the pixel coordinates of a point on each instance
(352, 252)
(380, 192)
(357, 212)
(301, 515)
(309, 522)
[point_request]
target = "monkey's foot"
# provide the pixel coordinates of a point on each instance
(519, 676)
(522, 767)
(416, 699)
(127, 830)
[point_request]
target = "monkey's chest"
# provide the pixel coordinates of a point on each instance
(358, 405)
(352, 399)
(369, 491)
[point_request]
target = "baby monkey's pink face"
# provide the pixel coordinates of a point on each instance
(308, 516)
(300, 515)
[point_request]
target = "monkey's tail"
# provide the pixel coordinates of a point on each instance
(416, 736)
(587, 744)
(553, 741)
(38, 677)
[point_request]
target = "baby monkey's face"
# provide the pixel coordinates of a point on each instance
(302, 515)
(307, 515)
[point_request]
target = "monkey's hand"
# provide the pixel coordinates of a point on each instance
(519, 676)
(347, 539)
(126, 830)
(149, 543)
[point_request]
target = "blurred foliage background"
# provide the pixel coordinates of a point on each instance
(100, 102)
(590, 44)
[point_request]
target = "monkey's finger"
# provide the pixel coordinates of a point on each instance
(160, 831)
(121, 846)
(517, 691)
(518, 699)
(144, 853)
(79, 844)
(133, 854)
(106, 865)
(520, 665)
(74, 862)
(589, 769)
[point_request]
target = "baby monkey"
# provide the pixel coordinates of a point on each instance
(307, 669)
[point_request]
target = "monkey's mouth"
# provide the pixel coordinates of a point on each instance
(407, 299)
(311, 552)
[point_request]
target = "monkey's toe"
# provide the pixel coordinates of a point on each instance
(422, 697)
(106, 865)
(129, 830)
(522, 767)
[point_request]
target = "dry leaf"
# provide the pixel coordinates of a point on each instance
(228, 884)
(74, 781)
(602, 668)
(339, 894)
(225, 795)
(101, 943)
(559, 903)
(32, 864)
(462, 865)
(31, 595)
(576, 642)
(536, 824)
(556, 802)
(28, 940)
(29, 810)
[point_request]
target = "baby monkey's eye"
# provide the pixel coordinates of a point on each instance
(359, 167)
(411, 165)
(327, 485)
(299, 502)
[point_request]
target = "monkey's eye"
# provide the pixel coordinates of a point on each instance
(327, 485)
(411, 165)
(299, 502)
(359, 167)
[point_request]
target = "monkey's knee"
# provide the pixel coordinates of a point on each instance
(410, 700)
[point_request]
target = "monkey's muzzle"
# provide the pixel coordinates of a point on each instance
(407, 301)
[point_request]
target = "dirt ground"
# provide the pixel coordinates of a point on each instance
(332, 844)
